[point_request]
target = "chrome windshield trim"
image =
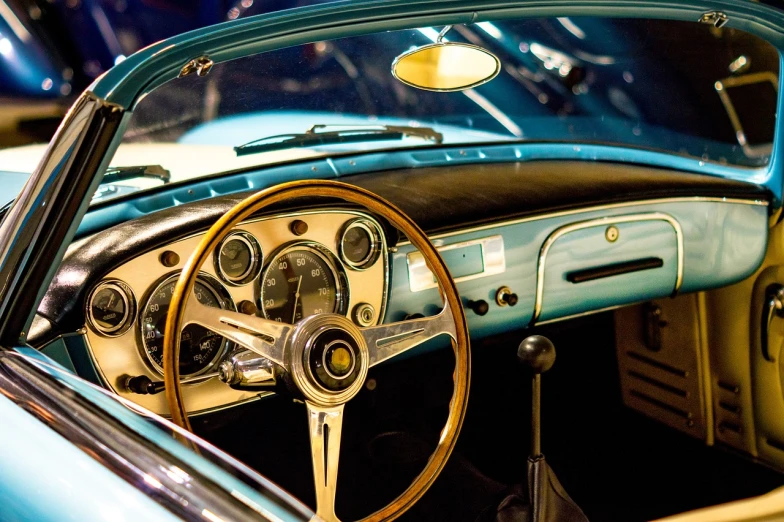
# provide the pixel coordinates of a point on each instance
(43, 220)
(42, 390)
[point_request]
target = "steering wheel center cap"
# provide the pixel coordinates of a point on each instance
(339, 359)
(329, 359)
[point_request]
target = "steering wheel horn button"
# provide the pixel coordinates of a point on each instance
(339, 359)
(329, 359)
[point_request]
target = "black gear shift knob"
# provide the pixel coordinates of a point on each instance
(536, 353)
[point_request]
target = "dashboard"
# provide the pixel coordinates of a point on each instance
(284, 268)
(527, 243)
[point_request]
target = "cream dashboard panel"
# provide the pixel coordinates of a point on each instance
(121, 356)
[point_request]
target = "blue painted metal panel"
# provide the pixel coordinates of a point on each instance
(588, 248)
(723, 244)
(158, 431)
(46, 477)
(11, 184)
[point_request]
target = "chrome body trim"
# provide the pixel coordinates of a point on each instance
(605, 221)
(595, 208)
(493, 262)
(41, 223)
(162, 469)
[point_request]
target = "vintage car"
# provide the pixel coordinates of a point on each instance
(230, 284)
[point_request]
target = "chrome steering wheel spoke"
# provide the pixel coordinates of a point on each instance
(262, 336)
(389, 340)
(326, 426)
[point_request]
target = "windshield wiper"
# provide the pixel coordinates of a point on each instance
(114, 174)
(358, 134)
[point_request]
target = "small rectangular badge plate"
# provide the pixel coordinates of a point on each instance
(466, 260)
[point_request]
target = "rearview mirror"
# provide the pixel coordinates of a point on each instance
(446, 67)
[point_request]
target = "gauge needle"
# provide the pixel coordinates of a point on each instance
(296, 300)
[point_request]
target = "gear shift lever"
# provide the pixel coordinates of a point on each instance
(545, 499)
(537, 355)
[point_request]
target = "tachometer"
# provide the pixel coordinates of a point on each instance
(200, 348)
(299, 282)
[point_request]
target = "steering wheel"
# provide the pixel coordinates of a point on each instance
(304, 349)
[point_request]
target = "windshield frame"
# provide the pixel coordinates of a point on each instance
(128, 83)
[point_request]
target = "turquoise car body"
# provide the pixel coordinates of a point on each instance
(47, 477)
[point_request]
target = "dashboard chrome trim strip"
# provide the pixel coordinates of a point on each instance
(595, 208)
(603, 221)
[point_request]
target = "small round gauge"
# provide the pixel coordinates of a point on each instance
(111, 308)
(238, 258)
(359, 244)
(299, 282)
(200, 348)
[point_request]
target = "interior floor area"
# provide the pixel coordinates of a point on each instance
(615, 463)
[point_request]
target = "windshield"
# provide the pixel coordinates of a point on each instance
(685, 88)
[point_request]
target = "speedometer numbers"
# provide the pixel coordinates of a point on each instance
(200, 348)
(299, 282)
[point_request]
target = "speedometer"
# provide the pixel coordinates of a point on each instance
(299, 282)
(200, 348)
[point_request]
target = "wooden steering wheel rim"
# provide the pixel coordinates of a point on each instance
(376, 204)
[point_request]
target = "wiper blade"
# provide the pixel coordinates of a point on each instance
(114, 174)
(358, 134)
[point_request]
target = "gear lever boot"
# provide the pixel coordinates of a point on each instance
(545, 499)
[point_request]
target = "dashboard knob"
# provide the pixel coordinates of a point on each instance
(480, 306)
(143, 385)
(504, 296)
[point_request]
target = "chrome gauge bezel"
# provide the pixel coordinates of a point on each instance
(376, 243)
(333, 263)
(219, 292)
(130, 308)
(255, 261)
